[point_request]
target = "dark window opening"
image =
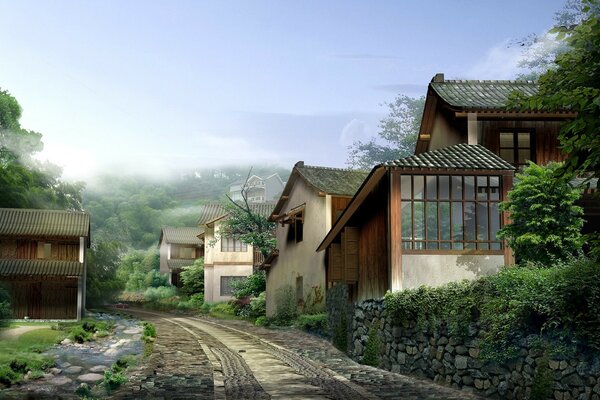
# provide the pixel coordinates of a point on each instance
(517, 147)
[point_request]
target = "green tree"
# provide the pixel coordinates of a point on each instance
(192, 277)
(24, 181)
(102, 263)
(573, 84)
(398, 132)
(545, 222)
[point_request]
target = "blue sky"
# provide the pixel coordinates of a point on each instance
(156, 86)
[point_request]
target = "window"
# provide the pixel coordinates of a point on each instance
(517, 147)
(450, 212)
(296, 229)
(44, 250)
(227, 284)
(186, 252)
(229, 244)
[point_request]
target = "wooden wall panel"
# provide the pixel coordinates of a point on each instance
(338, 205)
(44, 299)
(335, 267)
(395, 232)
(350, 245)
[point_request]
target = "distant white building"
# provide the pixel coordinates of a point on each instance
(259, 190)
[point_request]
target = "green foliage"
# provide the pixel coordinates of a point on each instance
(571, 83)
(541, 388)
(8, 376)
(559, 303)
(340, 333)
(113, 380)
(26, 182)
(398, 131)
(285, 300)
(102, 262)
(139, 270)
(258, 306)
(372, 348)
(193, 278)
(156, 294)
(545, 222)
(5, 305)
(262, 321)
(253, 285)
(245, 224)
(313, 323)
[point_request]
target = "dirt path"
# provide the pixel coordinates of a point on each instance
(213, 359)
(14, 333)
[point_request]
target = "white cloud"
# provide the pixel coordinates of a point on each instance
(500, 62)
(77, 163)
(354, 130)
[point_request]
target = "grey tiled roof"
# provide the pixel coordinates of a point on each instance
(212, 211)
(40, 267)
(28, 222)
(181, 235)
(179, 263)
(333, 180)
(481, 94)
(459, 156)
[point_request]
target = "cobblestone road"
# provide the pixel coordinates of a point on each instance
(206, 358)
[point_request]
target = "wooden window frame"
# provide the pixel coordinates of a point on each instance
(225, 283)
(477, 243)
(232, 245)
(515, 147)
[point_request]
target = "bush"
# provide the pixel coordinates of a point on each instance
(5, 307)
(113, 380)
(258, 306)
(156, 294)
(286, 312)
(313, 323)
(197, 300)
(559, 304)
(545, 222)
(262, 321)
(251, 286)
(80, 335)
(372, 348)
(8, 376)
(193, 278)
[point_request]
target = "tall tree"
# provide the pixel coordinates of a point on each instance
(24, 181)
(397, 135)
(573, 83)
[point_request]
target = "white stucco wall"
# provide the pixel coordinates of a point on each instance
(212, 280)
(300, 259)
(164, 268)
(438, 269)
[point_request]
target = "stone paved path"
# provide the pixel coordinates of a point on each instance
(205, 359)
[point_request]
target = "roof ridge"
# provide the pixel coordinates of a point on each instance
(331, 168)
(487, 81)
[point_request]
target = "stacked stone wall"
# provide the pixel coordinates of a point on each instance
(455, 361)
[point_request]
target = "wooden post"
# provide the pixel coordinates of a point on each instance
(395, 233)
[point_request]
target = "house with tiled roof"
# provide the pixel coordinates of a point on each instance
(226, 259)
(433, 217)
(257, 189)
(179, 247)
(311, 201)
(42, 262)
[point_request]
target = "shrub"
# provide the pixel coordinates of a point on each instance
(155, 294)
(545, 222)
(262, 321)
(251, 286)
(313, 323)
(372, 348)
(285, 298)
(80, 335)
(340, 333)
(193, 278)
(8, 376)
(5, 308)
(197, 300)
(113, 380)
(258, 306)
(149, 330)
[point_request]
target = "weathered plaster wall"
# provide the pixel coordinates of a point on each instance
(438, 269)
(455, 361)
(444, 134)
(164, 268)
(301, 259)
(212, 279)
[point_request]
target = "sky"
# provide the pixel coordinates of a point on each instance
(154, 87)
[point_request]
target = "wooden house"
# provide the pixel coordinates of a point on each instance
(432, 218)
(427, 219)
(257, 189)
(313, 198)
(225, 259)
(42, 261)
(178, 247)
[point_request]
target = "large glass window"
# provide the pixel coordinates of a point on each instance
(517, 147)
(229, 244)
(450, 212)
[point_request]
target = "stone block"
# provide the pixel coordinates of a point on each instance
(460, 362)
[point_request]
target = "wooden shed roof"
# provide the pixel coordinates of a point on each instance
(29, 222)
(14, 268)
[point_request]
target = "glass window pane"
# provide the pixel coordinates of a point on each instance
(469, 187)
(419, 245)
(406, 220)
(444, 192)
(495, 246)
(445, 245)
(457, 188)
(483, 246)
(457, 221)
(457, 246)
(432, 220)
(407, 245)
(482, 221)
(444, 220)
(405, 188)
(494, 220)
(494, 193)
(508, 155)
(470, 220)
(432, 245)
(418, 186)
(524, 155)
(523, 139)
(494, 181)
(482, 189)
(419, 216)
(431, 187)
(506, 139)
(470, 246)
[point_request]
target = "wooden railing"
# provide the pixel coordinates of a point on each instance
(257, 258)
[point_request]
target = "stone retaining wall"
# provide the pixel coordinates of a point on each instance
(455, 362)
